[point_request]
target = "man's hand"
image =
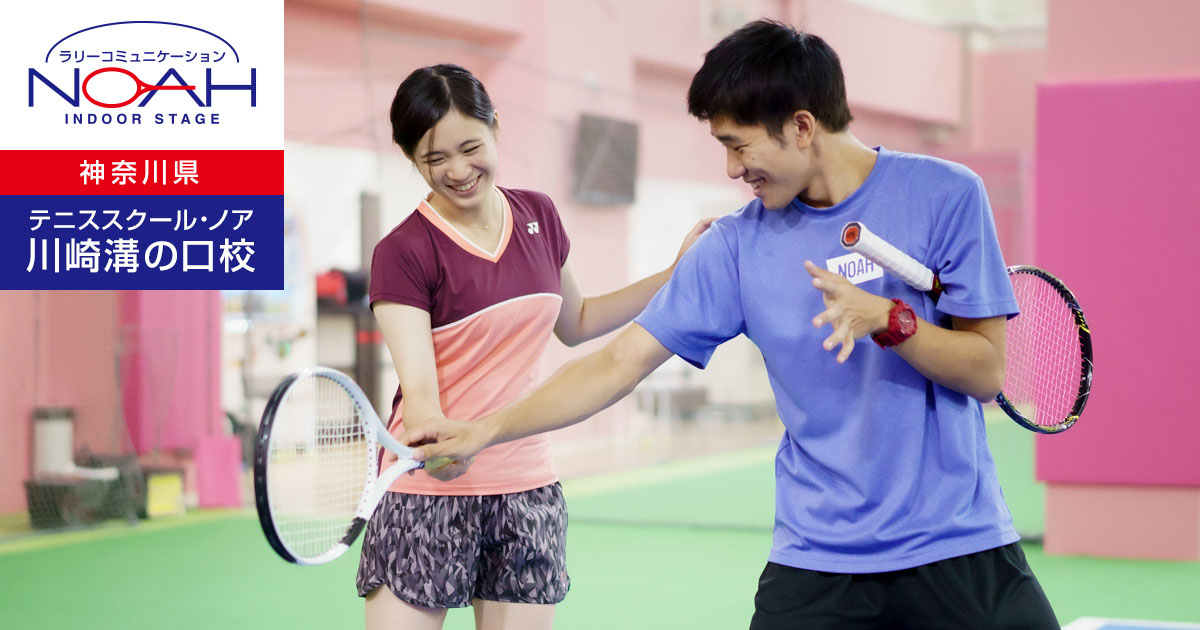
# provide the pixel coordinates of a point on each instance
(852, 312)
(459, 441)
(442, 468)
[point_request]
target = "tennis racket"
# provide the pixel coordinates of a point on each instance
(1048, 359)
(316, 465)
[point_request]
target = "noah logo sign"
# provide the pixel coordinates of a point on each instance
(854, 268)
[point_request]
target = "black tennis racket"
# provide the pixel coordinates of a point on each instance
(316, 465)
(1048, 372)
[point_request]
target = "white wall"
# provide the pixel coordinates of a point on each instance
(664, 212)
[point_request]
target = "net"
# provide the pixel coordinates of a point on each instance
(84, 465)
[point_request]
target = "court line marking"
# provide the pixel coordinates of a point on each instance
(575, 487)
(37, 540)
(1100, 623)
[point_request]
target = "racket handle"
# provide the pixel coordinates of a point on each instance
(858, 239)
(438, 462)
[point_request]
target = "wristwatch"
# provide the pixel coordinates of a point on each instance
(902, 324)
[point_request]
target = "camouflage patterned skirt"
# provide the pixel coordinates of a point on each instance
(444, 551)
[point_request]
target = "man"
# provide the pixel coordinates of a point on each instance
(888, 510)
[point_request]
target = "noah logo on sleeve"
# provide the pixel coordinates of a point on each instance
(854, 268)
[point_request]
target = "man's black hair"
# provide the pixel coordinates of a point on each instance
(766, 71)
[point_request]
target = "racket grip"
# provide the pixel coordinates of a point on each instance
(438, 462)
(858, 239)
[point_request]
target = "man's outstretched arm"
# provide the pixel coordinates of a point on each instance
(574, 393)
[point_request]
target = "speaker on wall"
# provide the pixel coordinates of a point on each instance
(605, 162)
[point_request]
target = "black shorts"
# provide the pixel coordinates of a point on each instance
(988, 590)
(444, 551)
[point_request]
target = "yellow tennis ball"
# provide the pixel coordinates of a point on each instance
(438, 462)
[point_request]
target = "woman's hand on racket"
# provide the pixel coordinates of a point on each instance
(443, 438)
(852, 312)
(691, 237)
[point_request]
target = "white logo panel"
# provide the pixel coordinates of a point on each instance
(855, 268)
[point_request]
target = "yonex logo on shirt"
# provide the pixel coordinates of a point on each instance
(532, 227)
(854, 268)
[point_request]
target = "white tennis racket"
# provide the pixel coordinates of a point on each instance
(1048, 357)
(316, 465)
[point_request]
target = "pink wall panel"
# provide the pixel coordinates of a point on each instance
(478, 19)
(1117, 199)
(671, 143)
(1117, 39)
(892, 64)
(669, 32)
(1137, 522)
(218, 462)
(326, 51)
(1004, 99)
(171, 390)
(78, 350)
(19, 349)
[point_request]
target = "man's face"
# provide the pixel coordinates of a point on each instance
(777, 171)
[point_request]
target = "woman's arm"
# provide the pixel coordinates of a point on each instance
(585, 318)
(406, 329)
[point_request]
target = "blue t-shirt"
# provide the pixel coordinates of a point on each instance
(879, 469)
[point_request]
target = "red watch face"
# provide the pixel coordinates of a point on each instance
(902, 324)
(907, 321)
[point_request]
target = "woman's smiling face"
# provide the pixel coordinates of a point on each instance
(457, 158)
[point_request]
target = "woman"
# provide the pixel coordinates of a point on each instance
(467, 290)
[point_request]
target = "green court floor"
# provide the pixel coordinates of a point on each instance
(673, 546)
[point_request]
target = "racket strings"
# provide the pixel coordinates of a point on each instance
(317, 466)
(1043, 353)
